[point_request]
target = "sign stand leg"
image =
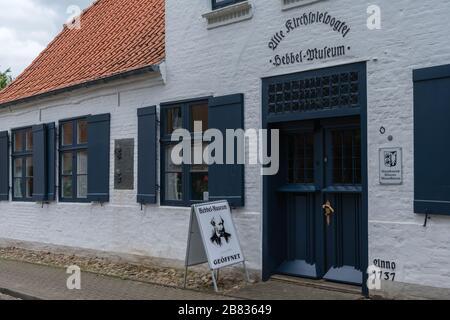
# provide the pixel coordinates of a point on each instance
(217, 275)
(185, 277)
(247, 277)
(214, 281)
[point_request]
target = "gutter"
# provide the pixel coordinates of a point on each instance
(126, 74)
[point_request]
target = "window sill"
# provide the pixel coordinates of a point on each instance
(290, 4)
(228, 15)
(174, 207)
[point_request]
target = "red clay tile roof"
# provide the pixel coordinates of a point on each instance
(116, 36)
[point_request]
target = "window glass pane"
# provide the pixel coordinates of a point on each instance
(198, 162)
(82, 162)
(199, 188)
(29, 168)
(66, 164)
(170, 166)
(29, 140)
(18, 167)
(18, 188)
(174, 186)
(18, 142)
(82, 134)
(173, 119)
(29, 187)
(67, 134)
(347, 174)
(199, 113)
(346, 156)
(66, 187)
(222, 3)
(82, 186)
(199, 174)
(301, 158)
(337, 157)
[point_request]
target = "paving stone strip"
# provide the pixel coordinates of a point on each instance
(49, 283)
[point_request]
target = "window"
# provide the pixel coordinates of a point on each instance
(22, 162)
(290, 4)
(73, 160)
(186, 183)
(225, 12)
(216, 4)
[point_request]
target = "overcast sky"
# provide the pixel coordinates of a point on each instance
(27, 26)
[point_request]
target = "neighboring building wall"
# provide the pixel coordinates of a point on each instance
(233, 59)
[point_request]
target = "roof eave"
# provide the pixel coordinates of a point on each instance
(122, 75)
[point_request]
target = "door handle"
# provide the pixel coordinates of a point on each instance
(329, 211)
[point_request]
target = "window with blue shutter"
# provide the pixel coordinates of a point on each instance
(186, 183)
(98, 157)
(22, 164)
(147, 144)
(4, 166)
(73, 160)
(431, 140)
(226, 181)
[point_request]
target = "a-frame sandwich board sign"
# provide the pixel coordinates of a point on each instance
(213, 239)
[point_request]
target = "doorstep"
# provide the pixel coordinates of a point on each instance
(319, 284)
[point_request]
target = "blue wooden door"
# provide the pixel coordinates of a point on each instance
(342, 189)
(320, 200)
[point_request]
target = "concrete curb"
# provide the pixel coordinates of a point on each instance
(18, 295)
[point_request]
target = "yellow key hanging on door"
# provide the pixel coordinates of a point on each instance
(328, 211)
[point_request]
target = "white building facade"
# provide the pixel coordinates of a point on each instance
(358, 94)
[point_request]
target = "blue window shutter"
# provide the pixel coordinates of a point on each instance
(98, 157)
(147, 144)
(431, 136)
(39, 163)
(4, 166)
(226, 181)
(51, 161)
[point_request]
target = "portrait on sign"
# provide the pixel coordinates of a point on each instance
(219, 233)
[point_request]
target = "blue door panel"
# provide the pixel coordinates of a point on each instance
(330, 104)
(343, 235)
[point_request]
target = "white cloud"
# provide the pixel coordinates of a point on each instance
(18, 52)
(27, 26)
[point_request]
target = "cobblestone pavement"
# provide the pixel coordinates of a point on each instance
(28, 280)
(49, 283)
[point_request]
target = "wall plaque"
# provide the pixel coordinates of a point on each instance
(391, 168)
(124, 164)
